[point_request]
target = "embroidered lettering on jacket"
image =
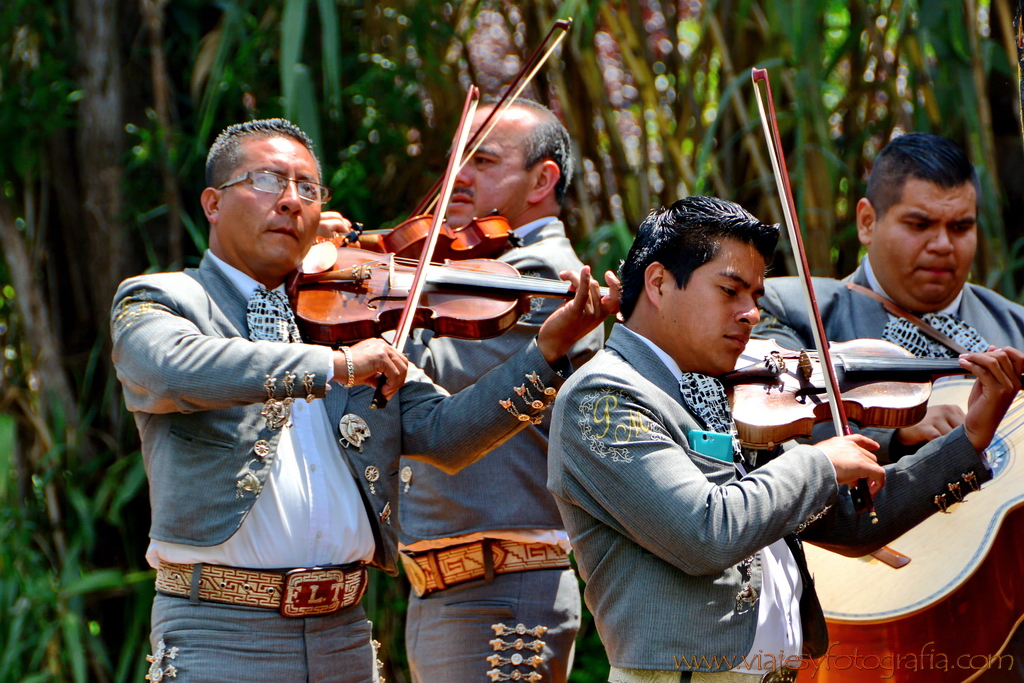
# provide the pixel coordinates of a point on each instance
(130, 309)
(608, 426)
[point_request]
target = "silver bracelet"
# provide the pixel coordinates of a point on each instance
(351, 368)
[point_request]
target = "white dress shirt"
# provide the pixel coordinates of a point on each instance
(309, 512)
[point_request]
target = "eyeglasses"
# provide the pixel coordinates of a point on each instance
(273, 183)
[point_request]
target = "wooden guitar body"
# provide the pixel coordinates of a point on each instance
(947, 615)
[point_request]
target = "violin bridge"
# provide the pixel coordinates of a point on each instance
(805, 365)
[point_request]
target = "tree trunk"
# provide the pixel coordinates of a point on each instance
(100, 144)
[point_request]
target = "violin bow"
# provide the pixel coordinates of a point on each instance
(412, 301)
(861, 494)
(514, 90)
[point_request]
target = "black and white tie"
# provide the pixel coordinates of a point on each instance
(705, 396)
(910, 337)
(270, 317)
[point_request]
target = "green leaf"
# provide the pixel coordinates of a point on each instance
(74, 649)
(330, 46)
(302, 106)
(293, 31)
(8, 442)
(102, 579)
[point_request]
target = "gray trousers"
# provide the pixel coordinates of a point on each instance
(448, 634)
(217, 643)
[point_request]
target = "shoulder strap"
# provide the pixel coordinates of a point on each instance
(893, 309)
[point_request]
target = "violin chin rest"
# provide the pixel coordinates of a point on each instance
(319, 258)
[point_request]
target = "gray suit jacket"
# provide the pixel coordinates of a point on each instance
(851, 315)
(661, 532)
(196, 385)
(507, 489)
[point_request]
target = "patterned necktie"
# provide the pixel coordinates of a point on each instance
(907, 335)
(270, 317)
(705, 396)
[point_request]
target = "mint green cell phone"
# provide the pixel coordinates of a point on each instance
(712, 444)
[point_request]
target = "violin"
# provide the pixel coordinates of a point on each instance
(481, 238)
(778, 394)
(363, 295)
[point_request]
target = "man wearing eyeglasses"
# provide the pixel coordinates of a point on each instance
(272, 483)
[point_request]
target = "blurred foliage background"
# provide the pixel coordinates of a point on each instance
(107, 108)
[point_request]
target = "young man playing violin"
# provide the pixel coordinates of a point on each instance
(693, 565)
(272, 483)
(918, 222)
(497, 512)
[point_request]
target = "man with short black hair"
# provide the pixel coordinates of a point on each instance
(918, 222)
(694, 571)
(272, 483)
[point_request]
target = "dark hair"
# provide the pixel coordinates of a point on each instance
(684, 237)
(923, 156)
(224, 153)
(548, 139)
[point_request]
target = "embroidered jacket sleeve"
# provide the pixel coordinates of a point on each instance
(177, 353)
(908, 497)
(618, 451)
(437, 426)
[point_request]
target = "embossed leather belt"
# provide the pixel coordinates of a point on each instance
(294, 592)
(434, 570)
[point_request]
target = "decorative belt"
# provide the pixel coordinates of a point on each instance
(434, 570)
(294, 592)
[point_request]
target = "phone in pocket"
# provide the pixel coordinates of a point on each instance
(712, 444)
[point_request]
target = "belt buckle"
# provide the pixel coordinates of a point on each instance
(414, 572)
(783, 675)
(319, 591)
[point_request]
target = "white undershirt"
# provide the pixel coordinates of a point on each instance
(309, 513)
(778, 640)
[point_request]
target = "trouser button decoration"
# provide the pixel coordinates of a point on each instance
(519, 630)
(516, 659)
(406, 476)
(157, 671)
